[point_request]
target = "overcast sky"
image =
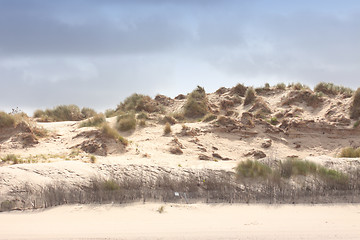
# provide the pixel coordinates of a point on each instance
(97, 52)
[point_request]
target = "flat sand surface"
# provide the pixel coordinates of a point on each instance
(197, 221)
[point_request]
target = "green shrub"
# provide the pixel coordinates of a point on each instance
(298, 86)
(249, 96)
(6, 120)
(280, 86)
(273, 121)
(126, 122)
(196, 104)
(88, 112)
(239, 89)
(355, 105)
(252, 169)
(357, 123)
(95, 121)
(92, 159)
(167, 129)
(138, 103)
(350, 152)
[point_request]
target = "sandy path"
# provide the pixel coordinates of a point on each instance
(198, 221)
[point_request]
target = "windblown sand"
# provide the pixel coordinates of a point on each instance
(198, 221)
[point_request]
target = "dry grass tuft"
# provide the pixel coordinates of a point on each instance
(126, 122)
(250, 96)
(355, 105)
(196, 104)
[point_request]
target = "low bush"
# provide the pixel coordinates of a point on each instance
(6, 120)
(350, 152)
(110, 113)
(357, 123)
(95, 121)
(138, 103)
(60, 113)
(142, 115)
(273, 121)
(126, 122)
(355, 105)
(196, 104)
(249, 96)
(110, 185)
(169, 119)
(239, 89)
(293, 167)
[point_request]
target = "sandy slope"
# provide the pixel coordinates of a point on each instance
(198, 221)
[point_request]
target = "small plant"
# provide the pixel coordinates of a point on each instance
(92, 159)
(350, 152)
(126, 122)
(294, 166)
(355, 105)
(142, 123)
(60, 113)
(357, 123)
(331, 89)
(95, 121)
(12, 158)
(161, 209)
(249, 96)
(179, 116)
(273, 121)
(167, 129)
(6, 120)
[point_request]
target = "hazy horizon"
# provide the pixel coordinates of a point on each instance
(96, 53)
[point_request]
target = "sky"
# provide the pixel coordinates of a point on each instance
(95, 53)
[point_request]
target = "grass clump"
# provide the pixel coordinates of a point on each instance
(196, 104)
(239, 89)
(95, 121)
(252, 169)
(138, 103)
(250, 96)
(298, 86)
(357, 123)
(355, 105)
(88, 112)
(280, 86)
(294, 167)
(142, 115)
(126, 122)
(350, 152)
(167, 129)
(112, 133)
(331, 89)
(169, 119)
(12, 158)
(6, 120)
(62, 113)
(110, 185)
(92, 159)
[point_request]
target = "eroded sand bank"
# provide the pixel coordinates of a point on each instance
(196, 221)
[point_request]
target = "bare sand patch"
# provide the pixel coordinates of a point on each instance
(195, 221)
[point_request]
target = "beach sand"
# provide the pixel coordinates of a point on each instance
(195, 221)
